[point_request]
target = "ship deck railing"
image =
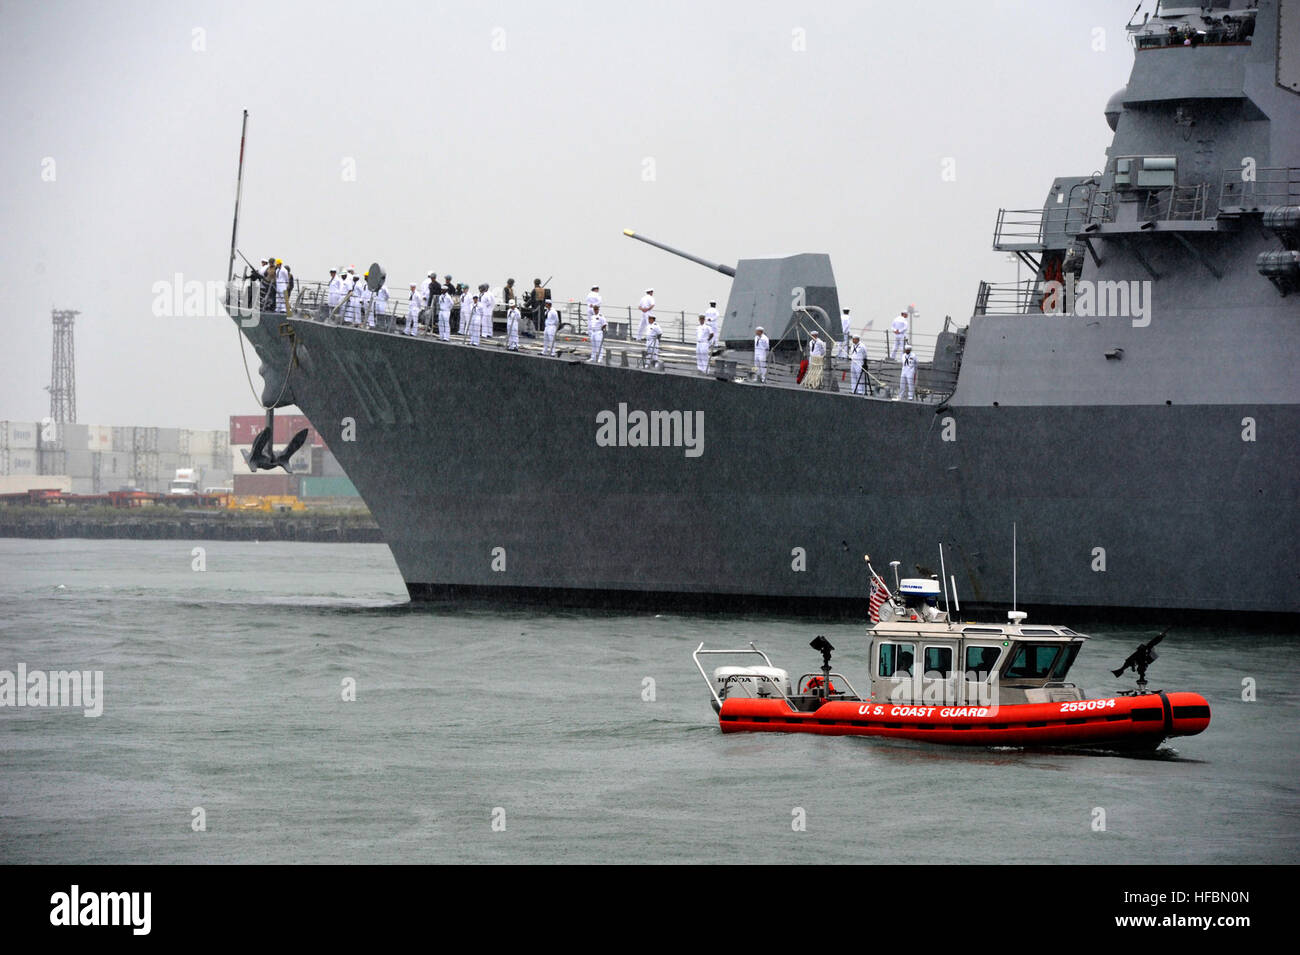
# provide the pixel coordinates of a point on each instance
(1243, 189)
(309, 302)
(1006, 298)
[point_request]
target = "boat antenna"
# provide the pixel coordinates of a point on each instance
(955, 601)
(894, 564)
(1013, 565)
(239, 192)
(943, 576)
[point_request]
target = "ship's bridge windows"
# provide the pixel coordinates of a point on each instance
(1038, 632)
(981, 662)
(1066, 661)
(895, 659)
(1032, 661)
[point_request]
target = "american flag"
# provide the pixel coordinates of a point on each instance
(879, 594)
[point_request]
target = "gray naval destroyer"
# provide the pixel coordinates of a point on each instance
(1132, 408)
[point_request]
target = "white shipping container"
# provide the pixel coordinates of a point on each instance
(22, 461)
(99, 438)
(169, 440)
(81, 464)
(75, 436)
(19, 434)
(17, 484)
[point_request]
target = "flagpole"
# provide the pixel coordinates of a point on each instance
(239, 192)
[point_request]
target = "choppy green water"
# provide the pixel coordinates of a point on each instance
(223, 690)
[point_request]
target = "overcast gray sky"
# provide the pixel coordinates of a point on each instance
(512, 139)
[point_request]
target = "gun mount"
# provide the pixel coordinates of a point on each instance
(774, 292)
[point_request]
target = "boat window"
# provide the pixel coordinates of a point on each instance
(938, 662)
(982, 630)
(980, 662)
(896, 659)
(1067, 660)
(1040, 632)
(1032, 661)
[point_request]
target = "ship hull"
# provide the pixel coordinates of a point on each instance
(499, 475)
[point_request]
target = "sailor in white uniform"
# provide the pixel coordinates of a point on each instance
(907, 377)
(900, 336)
(845, 348)
(703, 339)
(281, 285)
(413, 311)
(336, 290)
(367, 301)
(352, 302)
(381, 308)
(593, 298)
(512, 327)
(552, 326)
(647, 307)
(487, 304)
(466, 306)
(711, 319)
(597, 331)
(858, 366)
(444, 314)
(762, 345)
(816, 362)
(475, 321)
(652, 335)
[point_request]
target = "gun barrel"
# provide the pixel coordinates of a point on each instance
(724, 269)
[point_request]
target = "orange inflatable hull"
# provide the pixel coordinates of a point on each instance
(1122, 722)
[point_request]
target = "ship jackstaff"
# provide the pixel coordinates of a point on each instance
(651, 429)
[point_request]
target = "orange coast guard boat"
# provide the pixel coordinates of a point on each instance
(942, 681)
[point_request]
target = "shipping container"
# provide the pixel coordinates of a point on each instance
(20, 483)
(266, 483)
(21, 461)
(52, 462)
(317, 487)
(19, 434)
(244, 428)
(81, 465)
(76, 437)
(169, 440)
(99, 438)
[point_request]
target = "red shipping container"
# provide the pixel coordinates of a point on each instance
(245, 427)
(282, 484)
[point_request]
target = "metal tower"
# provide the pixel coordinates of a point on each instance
(63, 370)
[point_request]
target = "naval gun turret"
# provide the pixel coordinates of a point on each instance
(777, 292)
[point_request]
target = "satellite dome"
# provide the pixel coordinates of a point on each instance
(1115, 106)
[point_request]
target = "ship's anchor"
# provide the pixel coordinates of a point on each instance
(263, 456)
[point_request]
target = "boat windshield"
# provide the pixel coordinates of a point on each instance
(1033, 661)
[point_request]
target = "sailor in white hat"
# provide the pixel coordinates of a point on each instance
(907, 375)
(413, 308)
(703, 340)
(487, 304)
(444, 312)
(900, 336)
(647, 307)
(593, 298)
(762, 344)
(466, 306)
(816, 361)
(512, 327)
(552, 326)
(336, 289)
(858, 366)
(711, 319)
(844, 347)
(652, 335)
(596, 329)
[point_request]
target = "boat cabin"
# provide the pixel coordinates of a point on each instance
(969, 664)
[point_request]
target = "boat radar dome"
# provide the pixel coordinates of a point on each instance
(919, 586)
(1016, 617)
